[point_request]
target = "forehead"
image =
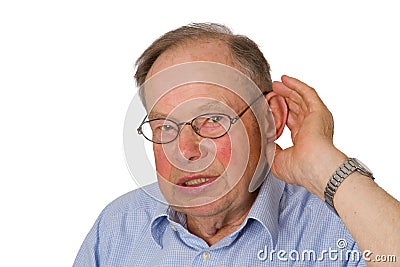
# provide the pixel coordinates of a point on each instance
(193, 99)
(180, 68)
(193, 50)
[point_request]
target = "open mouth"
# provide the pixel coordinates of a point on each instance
(196, 181)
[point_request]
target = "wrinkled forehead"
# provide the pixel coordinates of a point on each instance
(168, 86)
(190, 100)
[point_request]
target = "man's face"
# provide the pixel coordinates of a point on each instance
(216, 171)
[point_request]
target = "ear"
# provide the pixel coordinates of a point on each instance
(279, 109)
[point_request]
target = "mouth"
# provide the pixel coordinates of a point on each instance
(196, 181)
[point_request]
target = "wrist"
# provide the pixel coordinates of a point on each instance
(346, 169)
(325, 164)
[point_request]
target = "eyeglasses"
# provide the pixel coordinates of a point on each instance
(208, 125)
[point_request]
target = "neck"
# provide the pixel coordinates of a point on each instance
(214, 227)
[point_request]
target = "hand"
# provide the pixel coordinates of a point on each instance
(313, 158)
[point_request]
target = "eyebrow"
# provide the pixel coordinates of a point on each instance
(201, 108)
(156, 115)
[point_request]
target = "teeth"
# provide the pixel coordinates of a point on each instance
(196, 181)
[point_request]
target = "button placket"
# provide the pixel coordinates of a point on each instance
(206, 256)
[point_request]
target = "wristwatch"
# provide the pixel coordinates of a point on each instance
(351, 165)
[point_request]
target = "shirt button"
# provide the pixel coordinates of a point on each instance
(206, 255)
(173, 227)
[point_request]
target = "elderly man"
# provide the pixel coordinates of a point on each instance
(232, 212)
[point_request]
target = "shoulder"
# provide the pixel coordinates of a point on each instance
(146, 198)
(136, 208)
(311, 215)
(136, 199)
(122, 226)
(301, 197)
(312, 224)
(129, 216)
(301, 204)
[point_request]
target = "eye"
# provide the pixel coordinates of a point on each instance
(215, 118)
(162, 125)
(166, 127)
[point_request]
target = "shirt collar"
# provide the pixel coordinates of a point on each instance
(266, 207)
(265, 210)
(159, 222)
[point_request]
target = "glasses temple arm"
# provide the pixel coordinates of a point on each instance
(139, 129)
(234, 119)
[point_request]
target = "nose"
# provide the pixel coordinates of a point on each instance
(189, 143)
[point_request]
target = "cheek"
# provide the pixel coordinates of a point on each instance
(224, 150)
(239, 148)
(163, 165)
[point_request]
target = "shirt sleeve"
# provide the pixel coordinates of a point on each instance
(90, 250)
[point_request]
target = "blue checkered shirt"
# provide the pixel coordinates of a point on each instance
(286, 226)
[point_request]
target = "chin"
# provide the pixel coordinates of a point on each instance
(211, 209)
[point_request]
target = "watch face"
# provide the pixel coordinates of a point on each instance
(363, 167)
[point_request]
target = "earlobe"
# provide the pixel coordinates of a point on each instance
(279, 111)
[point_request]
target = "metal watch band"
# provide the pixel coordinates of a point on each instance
(344, 170)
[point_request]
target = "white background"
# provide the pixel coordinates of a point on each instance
(66, 83)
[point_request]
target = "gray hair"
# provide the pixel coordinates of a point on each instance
(245, 53)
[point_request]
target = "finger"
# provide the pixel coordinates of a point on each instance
(281, 89)
(293, 106)
(288, 93)
(306, 92)
(293, 124)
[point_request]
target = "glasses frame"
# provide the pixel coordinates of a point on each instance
(194, 128)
